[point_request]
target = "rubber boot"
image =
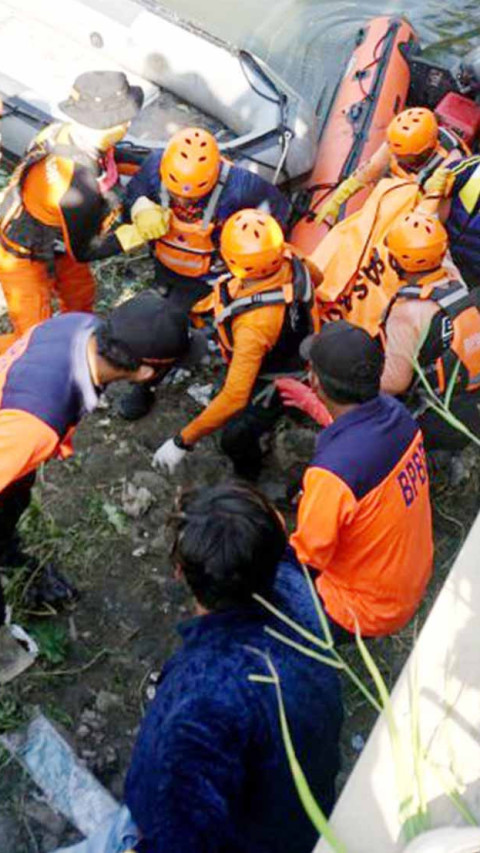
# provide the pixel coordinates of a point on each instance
(137, 402)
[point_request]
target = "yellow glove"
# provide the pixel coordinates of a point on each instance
(331, 208)
(129, 237)
(440, 183)
(151, 219)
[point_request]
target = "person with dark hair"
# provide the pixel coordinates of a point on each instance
(209, 769)
(53, 376)
(364, 520)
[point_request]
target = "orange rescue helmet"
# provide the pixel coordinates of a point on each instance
(417, 242)
(191, 163)
(412, 132)
(252, 244)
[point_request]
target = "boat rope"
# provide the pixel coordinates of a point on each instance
(287, 137)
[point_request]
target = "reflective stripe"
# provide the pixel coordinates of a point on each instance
(469, 195)
(257, 299)
(212, 205)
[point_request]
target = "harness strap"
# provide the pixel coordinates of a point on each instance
(249, 303)
(212, 205)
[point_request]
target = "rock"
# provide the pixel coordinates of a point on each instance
(106, 700)
(140, 551)
(136, 501)
(358, 742)
(42, 814)
(158, 544)
(92, 719)
(83, 731)
(294, 446)
(149, 479)
(50, 842)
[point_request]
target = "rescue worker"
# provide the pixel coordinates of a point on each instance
(458, 188)
(193, 188)
(364, 520)
(53, 376)
(415, 148)
(434, 318)
(60, 204)
(262, 311)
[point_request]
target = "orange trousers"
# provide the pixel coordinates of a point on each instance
(29, 287)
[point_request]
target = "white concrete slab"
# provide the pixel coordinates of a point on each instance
(447, 664)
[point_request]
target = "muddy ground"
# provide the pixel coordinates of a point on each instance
(99, 661)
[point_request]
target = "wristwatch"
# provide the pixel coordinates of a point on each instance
(179, 442)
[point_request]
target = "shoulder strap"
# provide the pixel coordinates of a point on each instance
(212, 205)
(302, 281)
(164, 195)
(250, 303)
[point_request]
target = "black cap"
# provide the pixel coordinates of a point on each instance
(102, 99)
(347, 360)
(153, 331)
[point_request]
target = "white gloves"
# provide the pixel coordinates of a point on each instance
(168, 456)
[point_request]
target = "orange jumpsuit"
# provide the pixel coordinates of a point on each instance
(55, 220)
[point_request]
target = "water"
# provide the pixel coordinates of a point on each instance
(307, 41)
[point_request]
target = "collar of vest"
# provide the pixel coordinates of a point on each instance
(240, 287)
(429, 281)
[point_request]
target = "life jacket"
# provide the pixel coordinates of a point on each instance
(463, 223)
(290, 286)
(453, 339)
(22, 234)
(187, 248)
(448, 141)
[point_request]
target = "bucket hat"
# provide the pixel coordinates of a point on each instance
(101, 99)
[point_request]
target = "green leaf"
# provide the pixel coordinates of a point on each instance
(115, 517)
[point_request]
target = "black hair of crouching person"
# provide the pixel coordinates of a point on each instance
(228, 540)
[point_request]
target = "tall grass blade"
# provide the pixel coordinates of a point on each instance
(313, 810)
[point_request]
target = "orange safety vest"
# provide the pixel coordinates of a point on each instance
(291, 286)
(187, 248)
(21, 233)
(448, 141)
(453, 339)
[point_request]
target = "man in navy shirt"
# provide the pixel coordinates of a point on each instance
(209, 770)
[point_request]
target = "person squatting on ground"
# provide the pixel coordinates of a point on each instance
(364, 519)
(60, 205)
(190, 190)
(434, 318)
(209, 770)
(49, 380)
(262, 311)
(415, 148)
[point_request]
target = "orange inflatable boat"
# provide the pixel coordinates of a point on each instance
(373, 89)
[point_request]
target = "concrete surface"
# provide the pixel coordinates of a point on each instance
(446, 666)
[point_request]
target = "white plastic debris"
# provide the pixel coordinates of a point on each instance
(17, 650)
(176, 376)
(202, 394)
(69, 787)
